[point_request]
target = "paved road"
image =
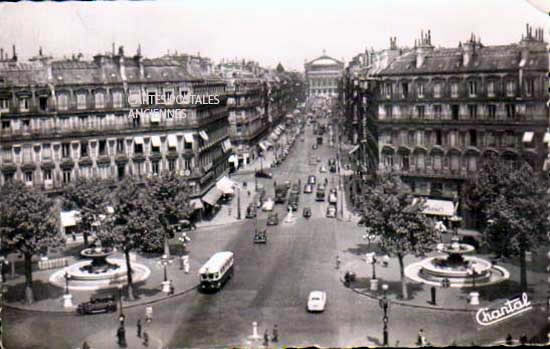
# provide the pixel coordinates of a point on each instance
(270, 286)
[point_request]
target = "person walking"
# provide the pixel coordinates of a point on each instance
(172, 289)
(421, 340)
(337, 262)
(275, 336)
(139, 328)
(509, 340)
(145, 339)
(266, 338)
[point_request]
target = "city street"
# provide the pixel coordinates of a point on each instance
(270, 286)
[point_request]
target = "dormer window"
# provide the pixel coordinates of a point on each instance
(99, 100)
(472, 88)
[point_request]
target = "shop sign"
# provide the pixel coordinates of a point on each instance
(511, 308)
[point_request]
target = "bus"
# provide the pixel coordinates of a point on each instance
(216, 271)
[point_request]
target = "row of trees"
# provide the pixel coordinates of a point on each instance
(142, 217)
(511, 201)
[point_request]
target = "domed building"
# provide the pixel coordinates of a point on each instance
(322, 75)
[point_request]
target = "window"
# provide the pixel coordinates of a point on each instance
(388, 111)
(171, 165)
(66, 150)
(168, 97)
(83, 150)
(405, 90)
(530, 87)
(81, 101)
(420, 111)
(490, 138)
(155, 167)
(47, 174)
(472, 163)
(472, 88)
(28, 177)
(388, 89)
(6, 124)
(66, 176)
(46, 152)
(410, 140)
(138, 148)
(472, 109)
(491, 89)
(120, 170)
(438, 137)
(99, 100)
(492, 111)
(437, 90)
(102, 147)
(63, 101)
(437, 111)
(43, 103)
(473, 138)
(187, 164)
(24, 104)
(405, 162)
(455, 111)
(4, 104)
(454, 89)
(420, 89)
(120, 146)
(511, 111)
(437, 162)
(510, 88)
(117, 99)
(419, 137)
(452, 138)
(152, 97)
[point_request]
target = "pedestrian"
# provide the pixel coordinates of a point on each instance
(275, 336)
(509, 340)
(266, 338)
(523, 339)
(148, 314)
(421, 339)
(337, 262)
(172, 289)
(145, 339)
(138, 328)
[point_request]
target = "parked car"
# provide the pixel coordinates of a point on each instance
(316, 301)
(331, 212)
(308, 188)
(98, 304)
(306, 212)
(273, 218)
(268, 205)
(311, 179)
(263, 174)
(314, 146)
(323, 169)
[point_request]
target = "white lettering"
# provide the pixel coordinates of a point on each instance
(486, 317)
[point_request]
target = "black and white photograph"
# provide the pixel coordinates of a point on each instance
(274, 174)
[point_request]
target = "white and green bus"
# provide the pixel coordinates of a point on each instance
(216, 271)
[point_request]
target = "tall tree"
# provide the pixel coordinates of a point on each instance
(170, 201)
(90, 196)
(28, 224)
(129, 227)
(392, 214)
(518, 215)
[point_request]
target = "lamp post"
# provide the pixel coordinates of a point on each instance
(67, 278)
(385, 305)
(238, 203)
(164, 262)
(121, 313)
(3, 291)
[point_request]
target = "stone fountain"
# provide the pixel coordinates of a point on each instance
(456, 267)
(101, 272)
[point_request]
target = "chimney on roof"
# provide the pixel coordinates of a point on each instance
(1, 54)
(14, 58)
(40, 51)
(423, 47)
(113, 48)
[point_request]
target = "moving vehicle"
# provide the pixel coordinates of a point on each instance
(251, 211)
(308, 188)
(316, 301)
(320, 196)
(331, 212)
(263, 174)
(98, 304)
(332, 199)
(311, 179)
(323, 169)
(273, 218)
(260, 237)
(268, 205)
(293, 202)
(280, 193)
(306, 212)
(216, 271)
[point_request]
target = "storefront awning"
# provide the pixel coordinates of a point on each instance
(155, 141)
(196, 204)
(138, 140)
(528, 137)
(203, 135)
(438, 207)
(226, 185)
(212, 197)
(70, 218)
(188, 137)
(353, 150)
(172, 141)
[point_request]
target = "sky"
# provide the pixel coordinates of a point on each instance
(286, 31)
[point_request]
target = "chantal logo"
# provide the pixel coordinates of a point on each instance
(512, 307)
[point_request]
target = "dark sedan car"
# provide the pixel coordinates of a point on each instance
(103, 304)
(273, 219)
(263, 174)
(307, 212)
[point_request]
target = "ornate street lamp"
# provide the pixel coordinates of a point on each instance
(384, 303)
(67, 278)
(164, 262)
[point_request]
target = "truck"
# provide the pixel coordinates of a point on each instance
(280, 193)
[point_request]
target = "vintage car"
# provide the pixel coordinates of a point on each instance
(98, 304)
(251, 211)
(307, 212)
(260, 237)
(316, 301)
(273, 218)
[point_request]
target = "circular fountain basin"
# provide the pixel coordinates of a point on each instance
(455, 248)
(428, 272)
(84, 278)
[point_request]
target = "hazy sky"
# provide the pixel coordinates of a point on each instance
(286, 31)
